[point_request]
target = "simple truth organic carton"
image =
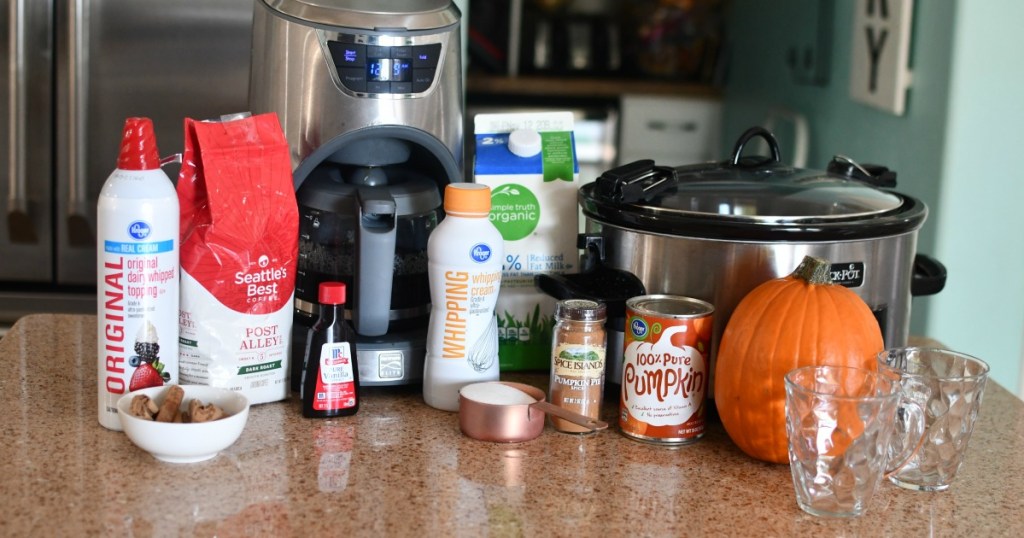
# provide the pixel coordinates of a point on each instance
(529, 162)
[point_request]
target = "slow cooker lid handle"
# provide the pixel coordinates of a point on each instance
(638, 180)
(872, 174)
(756, 162)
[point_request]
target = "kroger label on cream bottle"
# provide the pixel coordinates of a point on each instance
(529, 162)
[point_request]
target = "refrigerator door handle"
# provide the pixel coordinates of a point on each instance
(80, 228)
(20, 227)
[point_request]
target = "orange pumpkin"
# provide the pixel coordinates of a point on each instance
(799, 320)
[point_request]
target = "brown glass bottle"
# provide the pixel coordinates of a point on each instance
(330, 373)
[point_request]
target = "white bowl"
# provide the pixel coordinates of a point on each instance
(186, 443)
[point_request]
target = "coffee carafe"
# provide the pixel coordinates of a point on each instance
(365, 216)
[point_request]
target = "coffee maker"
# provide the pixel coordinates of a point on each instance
(369, 94)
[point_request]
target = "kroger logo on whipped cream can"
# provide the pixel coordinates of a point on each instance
(139, 229)
(665, 371)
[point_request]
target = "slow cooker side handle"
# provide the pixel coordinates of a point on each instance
(929, 276)
(769, 138)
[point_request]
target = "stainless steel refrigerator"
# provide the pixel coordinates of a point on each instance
(75, 70)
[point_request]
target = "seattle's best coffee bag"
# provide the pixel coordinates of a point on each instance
(239, 243)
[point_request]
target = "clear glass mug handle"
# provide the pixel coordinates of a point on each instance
(908, 437)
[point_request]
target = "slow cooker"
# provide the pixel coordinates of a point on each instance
(714, 231)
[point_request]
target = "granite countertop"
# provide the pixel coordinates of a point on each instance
(400, 467)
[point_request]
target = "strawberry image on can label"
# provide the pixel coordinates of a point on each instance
(149, 371)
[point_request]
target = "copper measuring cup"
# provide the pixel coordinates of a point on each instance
(514, 423)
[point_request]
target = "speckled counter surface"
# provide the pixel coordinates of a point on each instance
(401, 468)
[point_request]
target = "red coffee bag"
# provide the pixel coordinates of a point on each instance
(239, 243)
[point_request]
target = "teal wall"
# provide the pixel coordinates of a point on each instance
(981, 197)
(943, 147)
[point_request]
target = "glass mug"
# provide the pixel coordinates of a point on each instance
(840, 422)
(949, 386)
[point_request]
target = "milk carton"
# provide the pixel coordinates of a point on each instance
(529, 162)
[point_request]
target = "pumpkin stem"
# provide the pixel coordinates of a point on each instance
(814, 271)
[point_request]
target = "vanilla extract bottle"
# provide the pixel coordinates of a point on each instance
(330, 373)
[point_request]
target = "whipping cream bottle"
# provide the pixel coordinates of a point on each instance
(464, 259)
(137, 273)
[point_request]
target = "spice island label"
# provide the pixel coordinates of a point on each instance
(577, 382)
(577, 361)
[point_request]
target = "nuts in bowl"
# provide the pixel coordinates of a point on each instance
(183, 423)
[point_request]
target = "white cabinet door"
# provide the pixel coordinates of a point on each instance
(671, 130)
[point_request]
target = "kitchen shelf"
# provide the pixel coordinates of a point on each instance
(583, 87)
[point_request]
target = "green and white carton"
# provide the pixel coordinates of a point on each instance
(529, 162)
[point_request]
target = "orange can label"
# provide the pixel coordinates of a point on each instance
(665, 370)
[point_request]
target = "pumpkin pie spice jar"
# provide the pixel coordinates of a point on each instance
(578, 361)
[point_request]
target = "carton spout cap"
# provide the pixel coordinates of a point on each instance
(524, 142)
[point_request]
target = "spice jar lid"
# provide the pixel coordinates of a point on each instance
(580, 310)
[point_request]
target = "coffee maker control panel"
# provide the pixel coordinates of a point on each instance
(376, 69)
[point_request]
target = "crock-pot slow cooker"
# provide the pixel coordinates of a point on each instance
(715, 231)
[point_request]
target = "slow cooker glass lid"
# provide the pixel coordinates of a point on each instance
(782, 196)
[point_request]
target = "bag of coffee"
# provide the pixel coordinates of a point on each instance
(239, 244)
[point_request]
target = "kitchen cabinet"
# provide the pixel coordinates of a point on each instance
(401, 468)
(669, 129)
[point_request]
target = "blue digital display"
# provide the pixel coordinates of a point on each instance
(378, 70)
(389, 70)
(401, 70)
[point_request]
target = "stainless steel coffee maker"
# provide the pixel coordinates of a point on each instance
(369, 93)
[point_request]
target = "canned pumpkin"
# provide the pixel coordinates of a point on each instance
(665, 370)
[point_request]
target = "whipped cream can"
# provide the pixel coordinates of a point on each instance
(137, 274)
